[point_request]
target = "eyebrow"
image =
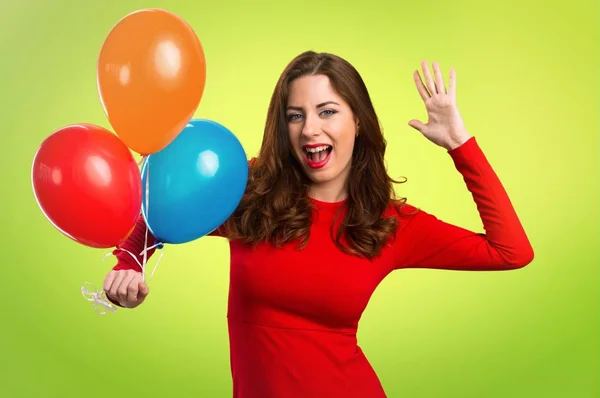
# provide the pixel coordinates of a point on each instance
(322, 104)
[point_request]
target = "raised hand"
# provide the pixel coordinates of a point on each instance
(444, 126)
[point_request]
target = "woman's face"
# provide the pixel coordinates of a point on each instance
(322, 130)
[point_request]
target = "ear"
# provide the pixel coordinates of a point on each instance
(357, 127)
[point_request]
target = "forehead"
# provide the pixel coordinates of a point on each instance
(312, 89)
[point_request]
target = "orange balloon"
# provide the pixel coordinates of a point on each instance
(151, 76)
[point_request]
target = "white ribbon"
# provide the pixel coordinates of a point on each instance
(98, 297)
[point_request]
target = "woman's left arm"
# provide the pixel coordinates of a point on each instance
(427, 242)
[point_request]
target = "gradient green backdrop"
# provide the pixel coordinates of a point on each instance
(528, 89)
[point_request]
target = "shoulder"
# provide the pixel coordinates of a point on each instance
(401, 209)
(406, 213)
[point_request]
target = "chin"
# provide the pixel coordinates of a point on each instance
(319, 177)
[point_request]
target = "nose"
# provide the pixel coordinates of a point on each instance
(311, 127)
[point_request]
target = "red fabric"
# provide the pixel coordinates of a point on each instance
(134, 245)
(293, 315)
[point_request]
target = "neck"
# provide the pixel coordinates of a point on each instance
(331, 191)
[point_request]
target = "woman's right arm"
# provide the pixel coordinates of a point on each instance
(124, 285)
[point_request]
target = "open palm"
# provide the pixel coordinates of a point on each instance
(444, 126)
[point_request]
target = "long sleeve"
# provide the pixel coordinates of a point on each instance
(134, 244)
(424, 241)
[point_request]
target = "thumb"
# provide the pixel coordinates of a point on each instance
(417, 125)
(143, 289)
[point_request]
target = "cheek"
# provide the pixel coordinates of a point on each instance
(344, 142)
(291, 133)
(294, 137)
(345, 149)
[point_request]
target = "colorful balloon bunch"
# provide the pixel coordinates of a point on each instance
(151, 75)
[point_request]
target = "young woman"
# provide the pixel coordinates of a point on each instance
(320, 227)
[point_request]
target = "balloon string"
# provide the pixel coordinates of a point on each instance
(98, 297)
(141, 265)
(147, 198)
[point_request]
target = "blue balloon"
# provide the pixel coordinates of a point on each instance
(194, 184)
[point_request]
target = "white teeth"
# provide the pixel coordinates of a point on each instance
(317, 149)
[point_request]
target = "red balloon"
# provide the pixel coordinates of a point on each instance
(88, 185)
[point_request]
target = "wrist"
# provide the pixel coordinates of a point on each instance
(457, 140)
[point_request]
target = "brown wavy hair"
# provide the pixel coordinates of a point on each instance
(276, 207)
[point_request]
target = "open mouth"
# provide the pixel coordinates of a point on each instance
(317, 156)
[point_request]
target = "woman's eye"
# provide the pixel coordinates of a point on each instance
(295, 116)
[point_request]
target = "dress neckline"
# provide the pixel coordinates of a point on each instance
(328, 205)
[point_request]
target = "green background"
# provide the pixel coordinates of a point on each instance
(528, 85)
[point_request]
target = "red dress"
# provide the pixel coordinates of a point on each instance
(293, 315)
